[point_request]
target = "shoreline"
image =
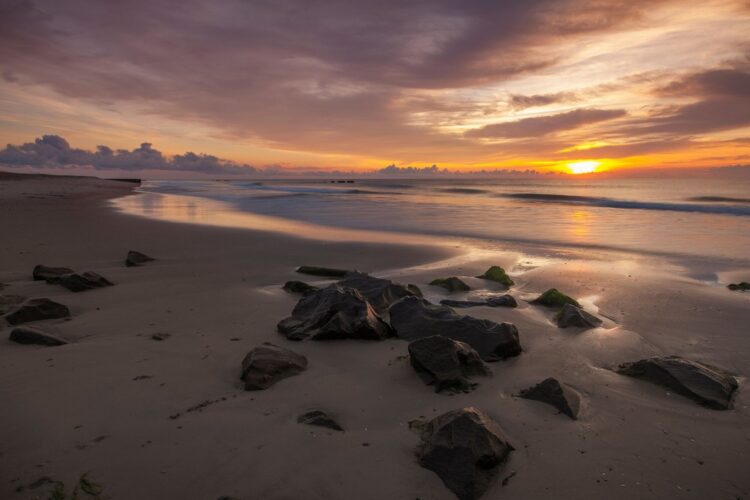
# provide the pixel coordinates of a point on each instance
(79, 408)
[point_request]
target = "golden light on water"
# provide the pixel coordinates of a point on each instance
(583, 167)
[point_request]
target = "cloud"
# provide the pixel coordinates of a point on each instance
(721, 82)
(53, 151)
(519, 101)
(543, 125)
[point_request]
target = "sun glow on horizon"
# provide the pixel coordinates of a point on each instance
(583, 167)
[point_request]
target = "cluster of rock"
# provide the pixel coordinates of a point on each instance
(742, 286)
(569, 311)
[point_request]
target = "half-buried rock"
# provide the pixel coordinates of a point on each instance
(135, 258)
(413, 318)
(88, 280)
(743, 286)
(451, 284)
(555, 393)
(37, 309)
(465, 449)
(571, 315)
(31, 335)
(332, 313)
(320, 419)
(295, 286)
(50, 274)
(498, 275)
(500, 301)
(446, 363)
(267, 364)
(709, 386)
(381, 293)
(555, 298)
(329, 272)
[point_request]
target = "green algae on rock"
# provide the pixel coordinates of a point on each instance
(451, 284)
(498, 275)
(555, 298)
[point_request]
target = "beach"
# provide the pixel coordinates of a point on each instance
(170, 418)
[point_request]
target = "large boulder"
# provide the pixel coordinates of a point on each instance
(329, 272)
(381, 293)
(295, 286)
(452, 284)
(571, 315)
(446, 363)
(319, 418)
(709, 386)
(31, 335)
(10, 302)
(50, 274)
(555, 298)
(413, 318)
(465, 449)
(135, 258)
(88, 280)
(37, 309)
(334, 312)
(555, 393)
(499, 301)
(498, 275)
(267, 364)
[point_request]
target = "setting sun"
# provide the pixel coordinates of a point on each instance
(583, 167)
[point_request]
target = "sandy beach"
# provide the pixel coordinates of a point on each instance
(129, 410)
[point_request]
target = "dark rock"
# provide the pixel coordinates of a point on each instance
(30, 335)
(739, 287)
(561, 396)
(135, 258)
(501, 301)
(554, 298)
(381, 293)
(85, 281)
(9, 302)
(465, 449)
(451, 284)
(571, 315)
(498, 275)
(50, 274)
(414, 289)
(160, 336)
(37, 309)
(446, 363)
(319, 418)
(413, 318)
(331, 313)
(298, 287)
(323, 271)
(709, 386)
(267, 364)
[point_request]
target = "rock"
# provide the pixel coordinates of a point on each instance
(739, 287)
(709, 386)
(381, 293)
(501, 301)
(497, 274)
(50, 274)
(331, 313)
(451, 284)
(267, 364)
(465, 449)
(31, 335)
(413, 318)
(319, 418)
(561, 396)
(160, 336)
(35, 310)
(571, 315)
(9, 302)
(85, 281)
(446, 363)
(323, 271)
(554, 298)
(135, 258)
(298, 287)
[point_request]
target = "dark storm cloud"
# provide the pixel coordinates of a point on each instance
(54, 151)
(543, 125)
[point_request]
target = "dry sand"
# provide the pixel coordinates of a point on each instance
(78, 408)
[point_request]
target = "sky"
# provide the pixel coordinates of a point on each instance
(303, 86)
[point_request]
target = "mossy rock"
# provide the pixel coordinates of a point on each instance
(739, 287)
(323, 271)
(555, 298)
(451, 284)
(498, 275)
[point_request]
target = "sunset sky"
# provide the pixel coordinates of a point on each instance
(357, 85)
